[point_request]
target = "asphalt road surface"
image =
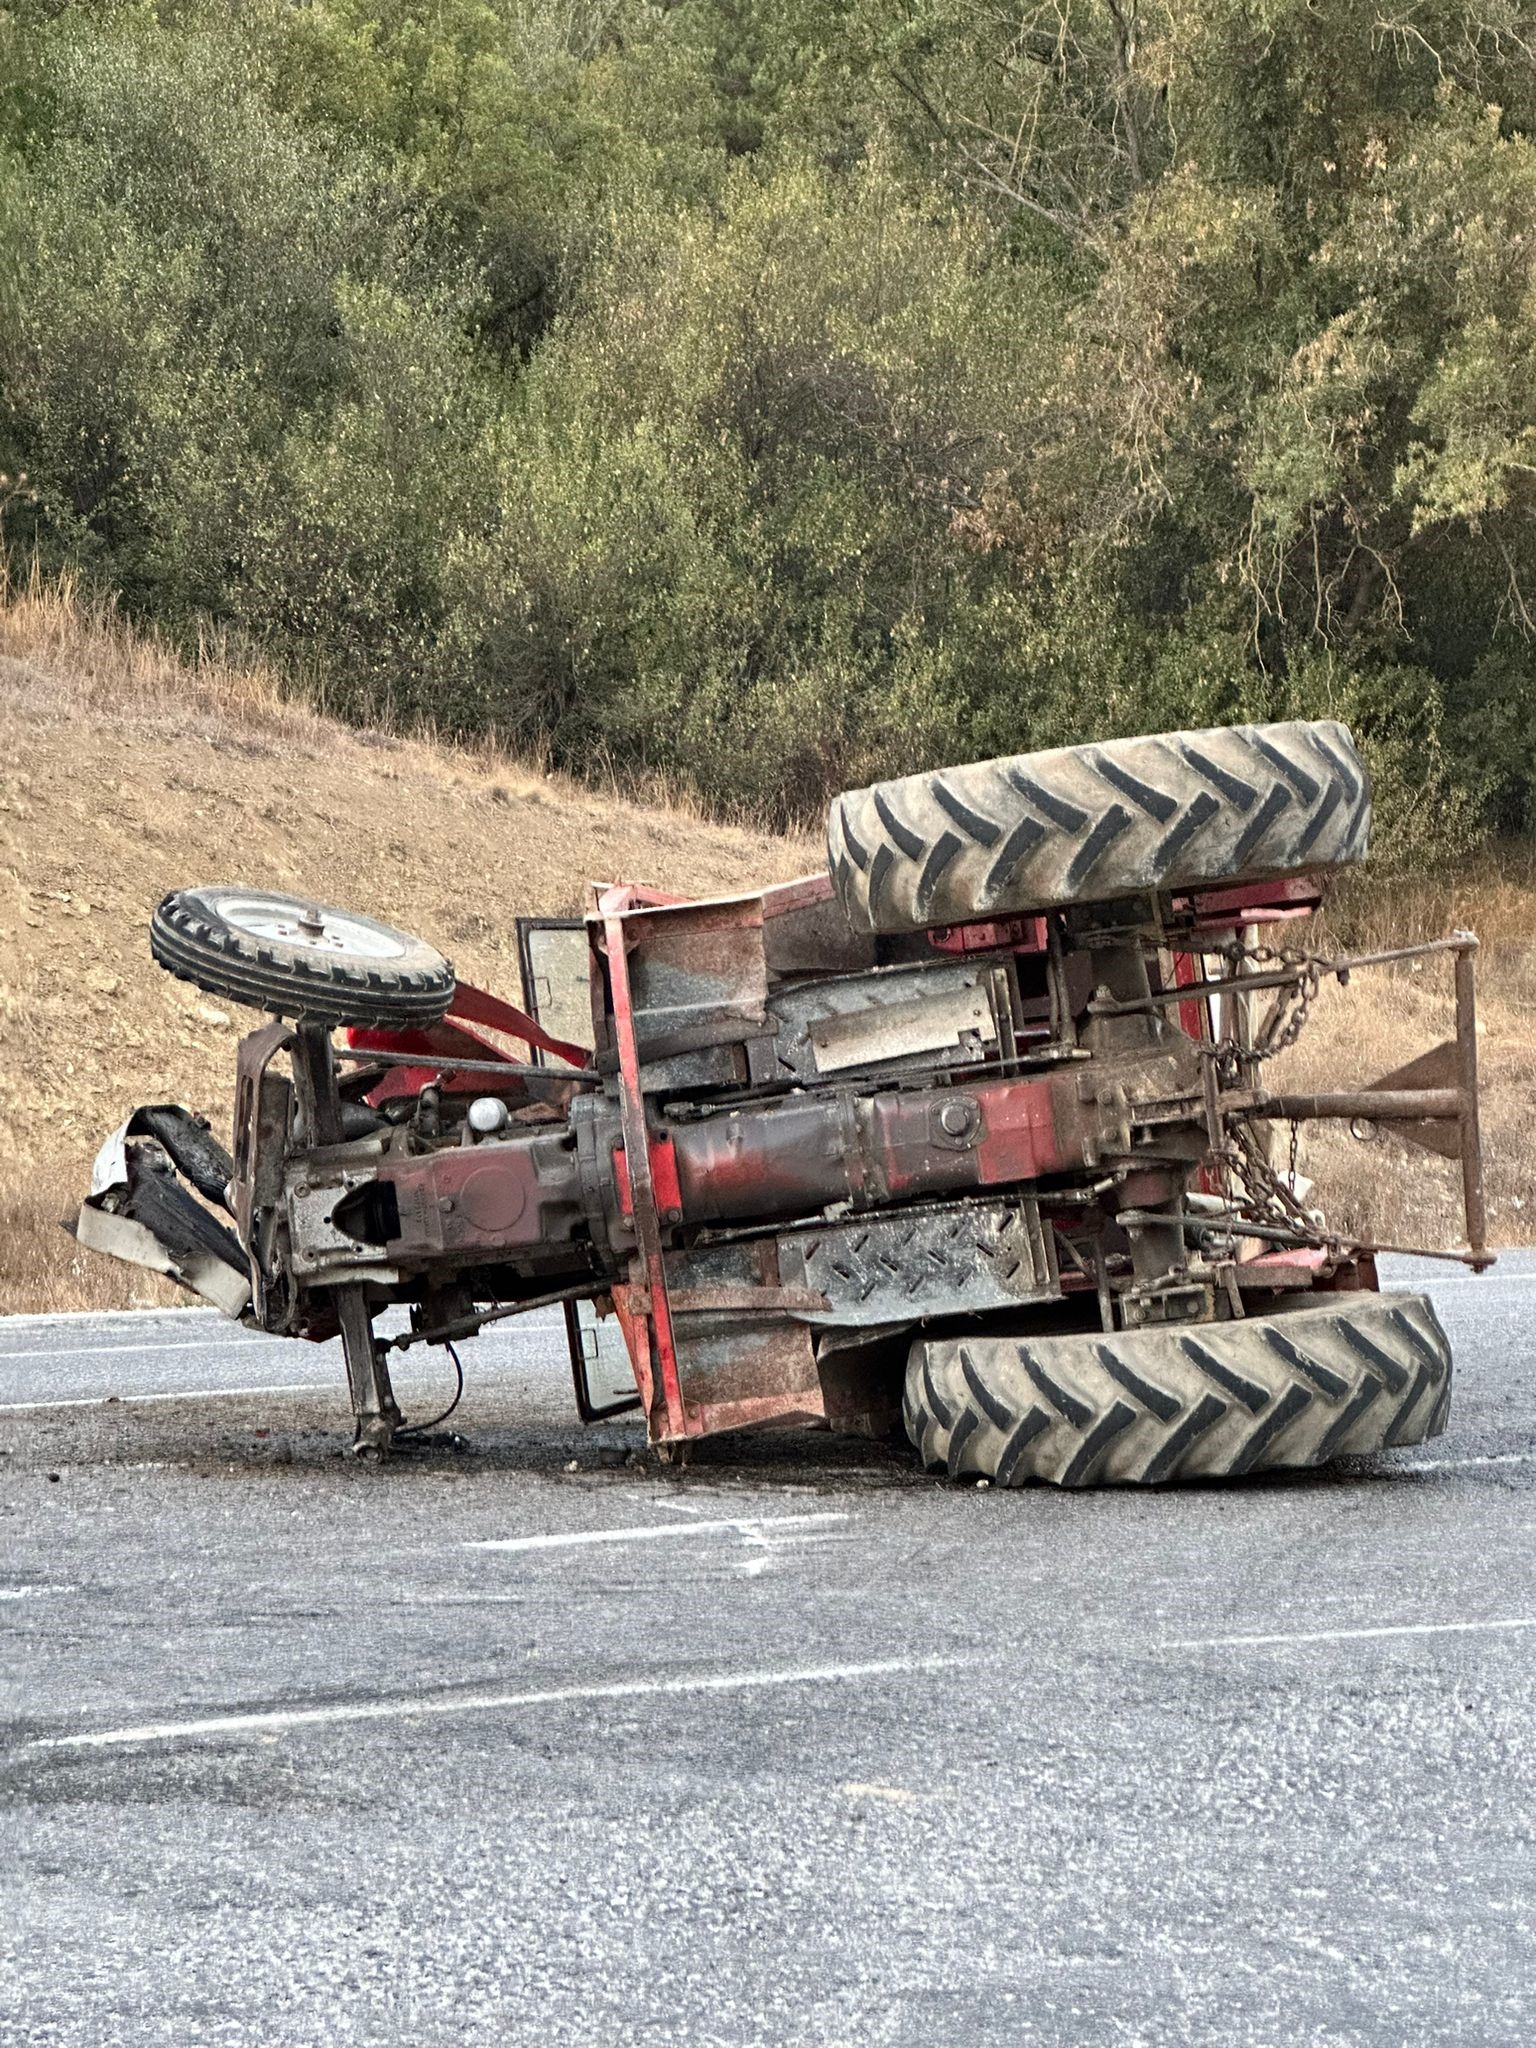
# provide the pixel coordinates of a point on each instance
(540, 1742)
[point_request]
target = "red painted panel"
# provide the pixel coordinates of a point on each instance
(1253, 902)
(621, 1181)
(1019, 1137)
(665, 1418)
(1011, 934)
(441, 1043)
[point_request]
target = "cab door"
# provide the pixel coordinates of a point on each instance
(554, 957)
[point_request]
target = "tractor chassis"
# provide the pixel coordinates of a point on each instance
(791, 1148)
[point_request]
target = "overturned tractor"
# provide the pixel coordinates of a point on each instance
(970, 1129)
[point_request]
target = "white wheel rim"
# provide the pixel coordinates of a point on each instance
(311, 929)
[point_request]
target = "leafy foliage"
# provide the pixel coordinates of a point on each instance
(778, 394)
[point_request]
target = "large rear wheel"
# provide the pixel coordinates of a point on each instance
(1346, 1374)
(1096, 824)
(298, 958)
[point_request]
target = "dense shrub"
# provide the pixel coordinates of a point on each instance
(776, 394)
(241, 386)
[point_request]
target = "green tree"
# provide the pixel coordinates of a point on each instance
(239, 371)
(780, 393)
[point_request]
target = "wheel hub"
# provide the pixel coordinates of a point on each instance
(314, 928)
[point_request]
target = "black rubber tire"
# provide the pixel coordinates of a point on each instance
(1096, 824)
(1349, 1373)
(365, 973)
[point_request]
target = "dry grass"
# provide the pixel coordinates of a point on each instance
(125, 771)
(1379, 1186)
(69, 655)
(41, 1266)
(1492, 894)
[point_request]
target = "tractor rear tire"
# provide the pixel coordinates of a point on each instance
(1097, 824)
(1347, 1374)
(295, 958)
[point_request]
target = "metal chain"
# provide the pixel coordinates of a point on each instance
(1270, 1199)
(1288, 1013)
(1282, 1030)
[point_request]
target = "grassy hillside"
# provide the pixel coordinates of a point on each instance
(124, 772)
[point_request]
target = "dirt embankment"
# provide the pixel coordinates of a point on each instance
(124, 773)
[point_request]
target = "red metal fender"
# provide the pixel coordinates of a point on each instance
(451, 1039)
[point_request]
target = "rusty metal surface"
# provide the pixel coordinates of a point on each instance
(741, 1370)
(253, 1057)
(497, 1196)
(745, 1354)
(318, 1249)
(1379, 1105)
(805, 932)
(869, 1148)
(645, 1308)
(1473, 1203)
(749, 1300)
(950, 1024)
(1341, 968)
(375, 1414)
(886, 1270)
(696, 973)
(263, 1112)
(922, 1015)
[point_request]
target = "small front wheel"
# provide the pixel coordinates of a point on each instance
(297, 958)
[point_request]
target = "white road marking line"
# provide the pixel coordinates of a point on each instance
(61, 1353)
(461, 1599)
(142, 1318)
(764, 1550)
(1343, 1635)
(30, 1318)
(1487, 1281)
(650, 1532)
(493, 1702)
(179, 1394)
(740, 1525)
(1461, 1464)
(895, 1795)
(754, 1537)
(216, 1341)
(33, 1592)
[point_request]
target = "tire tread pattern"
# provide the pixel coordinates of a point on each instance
(1093, 824)
(1343, 1375)
(189, 939)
